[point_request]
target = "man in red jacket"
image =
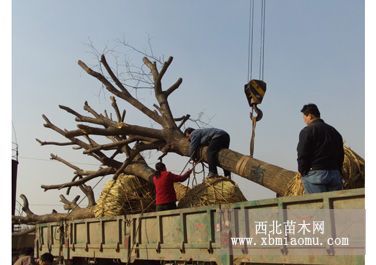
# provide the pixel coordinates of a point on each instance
(164, 186)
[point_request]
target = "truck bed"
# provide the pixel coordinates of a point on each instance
(202, 234)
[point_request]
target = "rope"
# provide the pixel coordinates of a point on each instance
(194, 180)
(253, 134)
(189, 178)
(203, 171)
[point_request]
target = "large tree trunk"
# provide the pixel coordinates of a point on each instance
(268, 175)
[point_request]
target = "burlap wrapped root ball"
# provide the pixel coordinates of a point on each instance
(180, 190)
(352, 172)
(217, 190)
(128, 194)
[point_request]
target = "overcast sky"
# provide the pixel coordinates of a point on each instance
(314, 52)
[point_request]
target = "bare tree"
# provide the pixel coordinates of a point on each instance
(122, 138)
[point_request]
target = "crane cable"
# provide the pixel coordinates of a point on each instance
(254, 108)
(250, 39)
(262, 39)
(251, 26)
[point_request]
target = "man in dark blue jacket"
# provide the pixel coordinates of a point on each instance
(320, 153)
(215, 139)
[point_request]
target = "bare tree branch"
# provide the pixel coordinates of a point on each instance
(73, 179)
(119, 144)
(25, 207)
(124, 94)
(183, 120)
(167, 117)
(57, 158)
(69, 205)
(70, 111)
(90, 110)
(54, 143)
(88, 191)
(116, 108)
(100, 172)
(71, 135)
(99, 119)
(154, 71)
(164, 68)
(121, 129)
(174, 87)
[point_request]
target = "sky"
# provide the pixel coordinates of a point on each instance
(314, 52)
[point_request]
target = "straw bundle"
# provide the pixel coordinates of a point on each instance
(180, 190)
(352, 172)
(353, 169)
(128, 194)
(212, 191)
(295, 186)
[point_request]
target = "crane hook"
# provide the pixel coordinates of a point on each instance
(259, 113)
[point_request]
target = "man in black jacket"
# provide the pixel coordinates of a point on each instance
(320, 153)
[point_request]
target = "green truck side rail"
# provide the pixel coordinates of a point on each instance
(190, 235)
